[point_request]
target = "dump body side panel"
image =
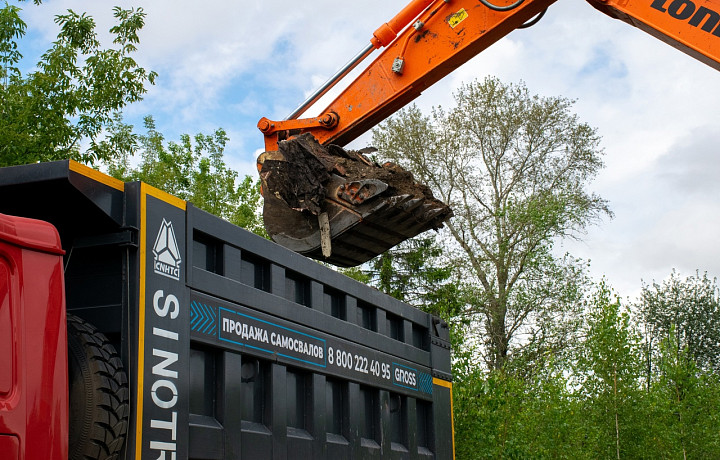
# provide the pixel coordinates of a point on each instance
(325, 367)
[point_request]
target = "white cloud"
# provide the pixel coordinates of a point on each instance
(226, 63)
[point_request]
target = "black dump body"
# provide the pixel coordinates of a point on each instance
(235, 347)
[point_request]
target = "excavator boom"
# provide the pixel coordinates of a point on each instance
(443, 36)
(318, 205)
(692, 26)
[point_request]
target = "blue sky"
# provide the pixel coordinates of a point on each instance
(226, 64)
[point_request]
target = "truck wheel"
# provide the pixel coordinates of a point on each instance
(98, 394)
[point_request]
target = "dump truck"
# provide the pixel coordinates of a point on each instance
(133, 325)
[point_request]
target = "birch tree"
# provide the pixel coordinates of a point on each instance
(515, 168)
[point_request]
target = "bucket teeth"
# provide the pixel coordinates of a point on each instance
(398, 200)
(412, 204)
(432, 214)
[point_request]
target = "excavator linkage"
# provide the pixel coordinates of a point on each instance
(340, 207)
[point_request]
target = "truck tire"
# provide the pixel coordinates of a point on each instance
(98, 394)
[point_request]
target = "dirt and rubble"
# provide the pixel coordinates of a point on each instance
(300, 178)
(369, 207)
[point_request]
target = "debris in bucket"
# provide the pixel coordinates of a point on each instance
(370, 207)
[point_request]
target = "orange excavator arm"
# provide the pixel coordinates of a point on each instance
(442, 35)
(346, 220)
(692, 26)
(446, 34)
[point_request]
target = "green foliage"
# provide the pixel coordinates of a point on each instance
(690, 307)
(514, 168)
(356, 273)
(499, 414)
(417, 273)
(69, 107)
(685, 399)
(11, 28)
(542, 369)
(487, 412)
(550, 327)
(71, 95)
(553, 424)
(37, 110)
(608, 371)
(193, 169)
(591, 403)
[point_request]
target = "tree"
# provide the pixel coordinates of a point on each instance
(499, 414)
(551, 331)
(514, 168)
(590, 402)
(70, 97)
(487, 413)
(607, 374)
(193, 169)
(684, 405)
(690, 307)
(676, 386)
(415, 272)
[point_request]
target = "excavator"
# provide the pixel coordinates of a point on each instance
(341, 206)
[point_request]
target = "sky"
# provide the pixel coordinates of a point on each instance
(228, 63)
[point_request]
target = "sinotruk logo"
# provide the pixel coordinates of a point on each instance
(167, 252)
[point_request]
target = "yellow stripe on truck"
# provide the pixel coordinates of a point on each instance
(166, 197)
(448, 385)
(96, 175)
(141, 324)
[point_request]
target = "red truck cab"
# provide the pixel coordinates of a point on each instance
(33, 398)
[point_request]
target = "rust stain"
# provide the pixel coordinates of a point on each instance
(423, 35)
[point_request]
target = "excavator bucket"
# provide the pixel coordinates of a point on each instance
(340, 207)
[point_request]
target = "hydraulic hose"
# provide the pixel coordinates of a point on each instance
(502, 8)
(534, 20)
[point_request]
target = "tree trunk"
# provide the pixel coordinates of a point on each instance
(617, 420)
(498, 336)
